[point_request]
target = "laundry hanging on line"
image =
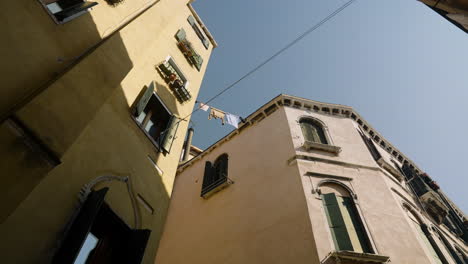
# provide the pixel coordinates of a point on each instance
(216, 114)
(204, 107)
(225, 117)
(233, 120)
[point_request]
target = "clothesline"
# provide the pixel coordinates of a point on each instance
(225, 117)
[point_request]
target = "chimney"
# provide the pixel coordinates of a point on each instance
(188, 144)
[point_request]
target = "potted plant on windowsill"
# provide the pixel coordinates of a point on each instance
(186, 48)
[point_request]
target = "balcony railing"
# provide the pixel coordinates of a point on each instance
(431, 200)
(215, 187)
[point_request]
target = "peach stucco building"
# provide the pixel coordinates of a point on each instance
(308, 182)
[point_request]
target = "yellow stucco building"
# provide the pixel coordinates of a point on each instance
(92, 125)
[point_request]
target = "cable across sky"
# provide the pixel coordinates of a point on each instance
(276, 54)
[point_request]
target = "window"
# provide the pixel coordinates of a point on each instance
(313, 131)
(461, 256)
(429, 242)
(187, 49)
(155, 119)
(315, 136)
(451, 250)
(176, 80)
(343, 219)
(216, 176)
(371, 147)
(98, 235)
(65, 10)
(197, 30)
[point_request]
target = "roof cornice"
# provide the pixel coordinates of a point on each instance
(338, 110)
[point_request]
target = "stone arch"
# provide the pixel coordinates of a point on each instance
(337, 183)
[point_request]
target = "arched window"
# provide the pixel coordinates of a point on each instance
(216, 175)
(424, 234)
(346, 227)
(313, 131)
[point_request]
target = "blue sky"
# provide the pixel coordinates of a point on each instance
(398, 63)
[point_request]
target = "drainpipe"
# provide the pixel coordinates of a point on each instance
(188, 144)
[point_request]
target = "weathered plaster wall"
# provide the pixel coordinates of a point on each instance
(386, 221)
(35, 46)
(84, 117)
(214, 230)
(261, 218)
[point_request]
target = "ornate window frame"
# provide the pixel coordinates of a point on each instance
(354, 196)
(309, 145)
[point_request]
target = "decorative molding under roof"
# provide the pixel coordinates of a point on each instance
(343, 111)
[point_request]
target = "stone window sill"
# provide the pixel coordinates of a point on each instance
(350, 257)
(309, 145)
(216, 187)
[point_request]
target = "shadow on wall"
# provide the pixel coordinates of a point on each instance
(84, 119)
(36, 49)
(169, 99)
(59, 114)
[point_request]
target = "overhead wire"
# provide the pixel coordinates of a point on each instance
(289, 45)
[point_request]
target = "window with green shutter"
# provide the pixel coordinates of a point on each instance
(187, 49)
(422, 231)
(180, 35)
(199, 33)
(336, 222)
(175, 78)
(312, 131)
(155, 119)
(345, 225)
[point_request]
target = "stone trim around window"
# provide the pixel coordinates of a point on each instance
(309, 145)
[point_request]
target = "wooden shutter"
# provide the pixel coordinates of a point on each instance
(80, 228)
(206, 43)
(73, 10)
(191, 20)
(144, 99)
(320, 134)
(220, 168)
(136, 245)
(180, 34)
(371, 147)
(354, 226)
(208, 175)
(198, 61)
(168, 136)
(428, 243)
(306, 131)
(336, 222)
(314, 133)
